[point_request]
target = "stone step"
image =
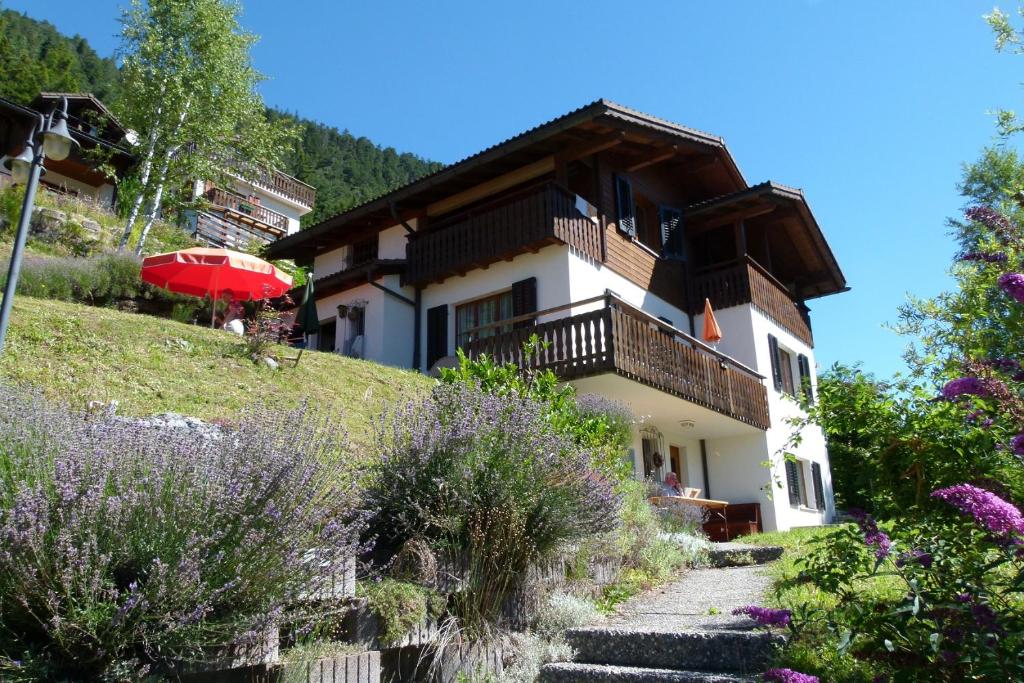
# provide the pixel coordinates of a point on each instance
(742, 555)
(574, 672)
(742, 652)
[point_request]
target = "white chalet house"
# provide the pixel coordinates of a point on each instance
(603, 232)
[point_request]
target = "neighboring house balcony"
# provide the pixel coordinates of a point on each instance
(745, 281)
(521, 222)
(283, 185)
(618, 338)
(249, 212)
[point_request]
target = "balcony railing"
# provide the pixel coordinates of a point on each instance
(271, 221)
(526, 220)
(285, 185)
(622, 339)
(220, 232)
(745, 281)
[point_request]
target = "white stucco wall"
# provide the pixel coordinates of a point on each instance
(549, 266)
(388, 323)
(391, 244)
(103, 194)
(588, 279)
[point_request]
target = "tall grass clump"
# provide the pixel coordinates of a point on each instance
(128, 549)
(487, 481)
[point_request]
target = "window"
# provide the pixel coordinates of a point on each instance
(673, 242)
(819, 488)
(363, 251)
(786, 368)
(624, 204)
(484, 311)
(782, 367)
(795, 484)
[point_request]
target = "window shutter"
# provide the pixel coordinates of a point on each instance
(624, 202)
(673, 244)
(804, 366)
(793, 481)
(773, 353)
(437, 334)
(819, 488)
(524, 300)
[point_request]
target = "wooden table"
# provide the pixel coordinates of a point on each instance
(716, 527)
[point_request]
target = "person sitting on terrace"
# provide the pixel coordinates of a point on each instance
(233, 313)
(671, 487)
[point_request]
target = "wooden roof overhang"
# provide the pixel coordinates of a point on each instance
(353, 277)
(16, 122)
(596, 127)
(805, 259)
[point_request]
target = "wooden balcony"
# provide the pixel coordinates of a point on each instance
(285, 185)
(622, 339)
(523, 221)
(241, 210)
(746, 282)
(219, 231)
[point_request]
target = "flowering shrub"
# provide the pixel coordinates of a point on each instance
(126, 548)
(601, 426)
(485, 477)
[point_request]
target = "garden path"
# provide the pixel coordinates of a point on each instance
(682, 632)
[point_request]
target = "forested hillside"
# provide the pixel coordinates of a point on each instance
(345, 169)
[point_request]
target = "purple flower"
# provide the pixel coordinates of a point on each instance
(872, 535)
(919, 556)
(789, 676)
(765, 616)
(988, 510)
(989, 217)
(987, 257)
(964, 386)
(1013, 284)
(1017, 444)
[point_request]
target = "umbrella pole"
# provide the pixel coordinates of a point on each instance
(213, 308)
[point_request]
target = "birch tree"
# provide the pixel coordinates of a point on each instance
(190, 93)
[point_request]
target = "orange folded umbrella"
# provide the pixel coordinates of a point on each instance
(712, 332)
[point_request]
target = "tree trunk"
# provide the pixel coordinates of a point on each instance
(154, 207)
(147, 167)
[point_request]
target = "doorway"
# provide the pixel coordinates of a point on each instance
(325, 337)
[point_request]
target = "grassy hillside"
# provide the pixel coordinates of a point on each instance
(152, 365)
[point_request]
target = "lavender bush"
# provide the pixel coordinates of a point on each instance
(125, 549)
(486, 478)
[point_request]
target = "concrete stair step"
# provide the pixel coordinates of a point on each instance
(575, 672)
(742, 555)
(740, 652)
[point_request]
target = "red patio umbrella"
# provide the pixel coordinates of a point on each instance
(202, 271)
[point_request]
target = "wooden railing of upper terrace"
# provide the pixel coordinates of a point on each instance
(617, 337)
(268, 220)
(746, 281)
(522, 221)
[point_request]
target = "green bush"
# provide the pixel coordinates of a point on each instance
(400, 606)
(97, 280)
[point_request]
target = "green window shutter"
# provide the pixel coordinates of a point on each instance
(819, 488)
(624, 203)
(437, 334)
(773, 353)
(673, 242)
(793, 481)
(524, 300)
(804, 366)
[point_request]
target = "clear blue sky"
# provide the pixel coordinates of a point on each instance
(871, 106)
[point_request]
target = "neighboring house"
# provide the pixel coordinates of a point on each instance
(92, 125)
(250, 211)
(603, 231)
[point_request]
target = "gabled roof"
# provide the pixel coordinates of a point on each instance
(761, 197)
(81, 98)
(515, 151)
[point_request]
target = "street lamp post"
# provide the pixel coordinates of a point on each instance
(27, 167)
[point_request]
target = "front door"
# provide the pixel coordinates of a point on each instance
(676, 461)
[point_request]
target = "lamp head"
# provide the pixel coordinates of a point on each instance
(57, 140)
(21, 165)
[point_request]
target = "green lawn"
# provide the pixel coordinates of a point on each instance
(152, 365)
